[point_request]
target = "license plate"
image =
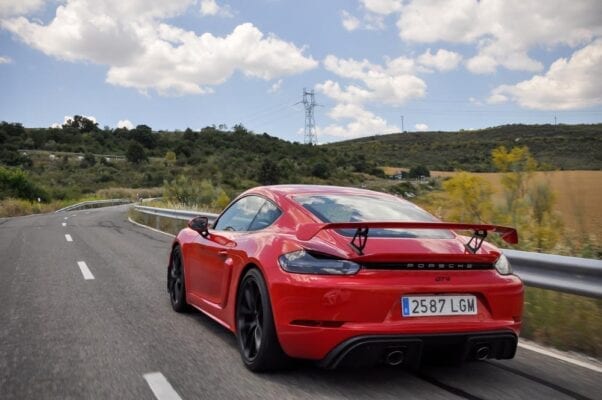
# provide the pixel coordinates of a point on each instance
(421, 306)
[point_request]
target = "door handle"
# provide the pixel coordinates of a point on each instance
(222, 253)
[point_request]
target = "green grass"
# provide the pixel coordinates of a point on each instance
(564, 321)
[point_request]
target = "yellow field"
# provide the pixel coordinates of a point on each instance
(578, 196)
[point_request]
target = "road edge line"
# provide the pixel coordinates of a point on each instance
(149, 228)
(557, 355)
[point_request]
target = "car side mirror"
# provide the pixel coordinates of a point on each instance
(200, 225)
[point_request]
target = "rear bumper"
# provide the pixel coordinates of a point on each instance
(316, 314)
(411, 350)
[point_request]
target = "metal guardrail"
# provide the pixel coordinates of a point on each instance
(580, 276)
(95, 204)
(182, 215)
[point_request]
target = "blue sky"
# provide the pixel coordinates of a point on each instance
(443, 65)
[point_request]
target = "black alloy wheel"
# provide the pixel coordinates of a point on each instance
(175, 282)
(257, 339)
(250, 319)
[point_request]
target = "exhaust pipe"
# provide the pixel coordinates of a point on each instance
(482, 353)
(394, 358)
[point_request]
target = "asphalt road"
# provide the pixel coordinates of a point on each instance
(66, 337)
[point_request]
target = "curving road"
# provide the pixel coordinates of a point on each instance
(90, 319)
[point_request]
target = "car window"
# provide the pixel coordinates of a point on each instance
(239, 215)
(346, 208)
(265, 217)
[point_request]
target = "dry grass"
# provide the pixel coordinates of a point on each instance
(17, 207)
(578, 196)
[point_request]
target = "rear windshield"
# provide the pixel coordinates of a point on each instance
(347, 208)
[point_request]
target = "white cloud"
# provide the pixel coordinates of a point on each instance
(360, 123)
(211, 8)
(5, 60)
(497, 98)
(146, 54)
(19, 7)
(421, 127)
(392, 83)
(442, 60)
(349, 22)
(382, 7)
(503, 30)
(374, 15)
(475, 101)
(568, 84)
(276, 86)
(125, 123)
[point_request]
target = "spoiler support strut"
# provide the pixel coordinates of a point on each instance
(476, 241)
(360, 238)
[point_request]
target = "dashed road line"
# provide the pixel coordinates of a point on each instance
(161, 388)
(68, 238)
(64, 224)
(66, 217)
(85, 270)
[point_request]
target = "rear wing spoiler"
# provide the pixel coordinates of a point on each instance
(358, 243)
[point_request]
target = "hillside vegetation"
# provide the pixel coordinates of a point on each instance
(80, 159)
(564, 147)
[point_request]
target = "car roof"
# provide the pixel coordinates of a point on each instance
(289, 190)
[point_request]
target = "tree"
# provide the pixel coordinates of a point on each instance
(88, 161)
(221, 201)
(144, 135)
(82, 124)
(547, 226)
(16, 183)
(518, 166)
(418, 172)
(530, 207)
(470, 198)
(240, 129)
(268, 173)
(135, 153)
(321, 170)
(170, 158)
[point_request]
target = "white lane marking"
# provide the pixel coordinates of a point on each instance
(161, 387)
(66, 217)
(64, 224)
(69, 238)
(561, 357)
(85, 270)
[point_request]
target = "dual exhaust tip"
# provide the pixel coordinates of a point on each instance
(396, 357)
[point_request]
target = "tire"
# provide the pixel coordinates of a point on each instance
(175, 282)
(255, 331)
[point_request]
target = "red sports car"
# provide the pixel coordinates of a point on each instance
(347, 277)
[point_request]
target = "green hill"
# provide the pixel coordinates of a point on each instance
(569, 147)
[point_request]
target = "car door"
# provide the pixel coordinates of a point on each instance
(210, 266)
